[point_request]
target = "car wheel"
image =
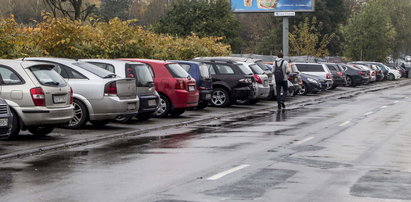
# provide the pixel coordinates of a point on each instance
(15, 126)
(80, 116)
(390, 77)
(333, 87)
(40, 130)
(304, 89)
(202, 104)
(100, 123)
(163, 108)
(349, 81)
(220, 98)
(177, 112)
(144, 116)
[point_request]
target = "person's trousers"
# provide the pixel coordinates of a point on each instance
(281, 91)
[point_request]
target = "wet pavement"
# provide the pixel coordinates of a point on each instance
(356, 148)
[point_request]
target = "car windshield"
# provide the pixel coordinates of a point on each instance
(177, 71)
(102, 73)
(310, 68)
(256, 69)
(262, 65)
(244, 69)
(140, 72)
(204, 71)
(47, 76)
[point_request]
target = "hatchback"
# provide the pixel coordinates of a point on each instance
(99, 95)
(38, 96)
(355, 76)
(315, 69)
(261, 84)
(178, 91)
(149, 98)
(338, 75)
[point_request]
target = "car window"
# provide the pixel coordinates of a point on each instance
(102, 73)
(245, 69)
(140, 72)
(105, 66)
(47, 76)
(256, 69)
(177, 71)
(211, 68)
(67, 72)
(224, 69)
(262, 66)
(204, 71)
(185, 67)
(310, 68)
(10, 77)
(332, 67)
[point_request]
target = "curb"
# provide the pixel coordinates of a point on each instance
(270, 110)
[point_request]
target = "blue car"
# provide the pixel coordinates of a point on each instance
(200, 72)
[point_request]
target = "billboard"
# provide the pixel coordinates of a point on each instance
(259, 6)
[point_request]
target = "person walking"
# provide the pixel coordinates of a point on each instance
(280, 72)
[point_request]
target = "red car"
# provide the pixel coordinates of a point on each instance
(177, 89)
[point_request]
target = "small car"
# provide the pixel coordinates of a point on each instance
(99, 95)
(148, 96)
(312, 84)
(177, 89)
(355, 75)
(38, 97)
(315, 69)
(338, 75)
(261, 84)
(200, 72)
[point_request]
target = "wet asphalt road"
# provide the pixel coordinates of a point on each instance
(352, 149)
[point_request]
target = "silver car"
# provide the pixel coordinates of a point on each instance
(99, 95)
(261, 83)
(316, 69)
(38, 96)
(149, 98)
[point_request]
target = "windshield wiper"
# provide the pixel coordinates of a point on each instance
(52, 83)
(109, 76)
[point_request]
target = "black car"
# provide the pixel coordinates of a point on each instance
(312, 84)
(6, 120)
(338, 75)
(231, 81)
(355, 75)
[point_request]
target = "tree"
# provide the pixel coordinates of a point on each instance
(115, 8)
(306, 39)
(369, 34)
(203, 18)
(73, 9)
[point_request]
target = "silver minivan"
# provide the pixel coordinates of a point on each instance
(99, 95)
(38, 96)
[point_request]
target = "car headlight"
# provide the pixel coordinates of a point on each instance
(312, 80)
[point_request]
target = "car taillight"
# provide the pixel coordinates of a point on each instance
(71, 95)
(110, 88)
(38, 96)
(180, 84)
(130, 73)
(339, 73)
(248, 80)
(373, 73)
(258, 79)
(328, 76)
(361, 73)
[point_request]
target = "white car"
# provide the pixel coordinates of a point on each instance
(393, 73)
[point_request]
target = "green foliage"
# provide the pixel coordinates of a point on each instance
(115, 9)
(203, 18)
(306, 39)
(369, 34)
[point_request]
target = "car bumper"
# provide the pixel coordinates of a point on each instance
(184, 99)
(339, 81)
(205, 95)
(32, 116)
(260, 91)
(148, 103)
(241, 93)
(109, 108)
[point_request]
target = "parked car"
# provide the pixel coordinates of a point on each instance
(232, 81)
(99, 95)
(338, 75)
(355, 75)
(148, 96)
(6, 120)
(383, 69)
(260, 84)
(315, 69)
(38, 96)
(393, 74)
(312, 84)
(200, 72)
(177, 89)
(295, 79)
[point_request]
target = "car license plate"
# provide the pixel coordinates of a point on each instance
(152, 103)
(131, 106)
(59, 99)
(191, 88)
(4, 122)
(208, 96)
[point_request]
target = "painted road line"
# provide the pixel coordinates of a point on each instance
(345, 123)
(222, 174)
(396, 101)
(368, 113)
(305, 140)
(383, 107)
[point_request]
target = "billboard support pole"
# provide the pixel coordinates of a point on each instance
(285, 36)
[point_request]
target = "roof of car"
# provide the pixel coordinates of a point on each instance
(111, 61)
(147, 60)
(305, 63)
(22, 62)
(60, 60)
(186, 61)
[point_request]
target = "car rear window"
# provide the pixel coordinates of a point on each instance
(47, 76)
(310, 68)
(244, 69)
(177, 71)
(256, 69)
(140, 72)
(102, 73)
(262, 66)
(332, 67)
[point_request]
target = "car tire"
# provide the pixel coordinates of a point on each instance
(333, 87)
(177, 112)
(202, 104)
(80, 116)
(40, 131)
(163, 108)
(144, 116)
(304, 89)
(349, 82)
(15, 126)
(390, 77)
(220, 98)
(100, 123)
